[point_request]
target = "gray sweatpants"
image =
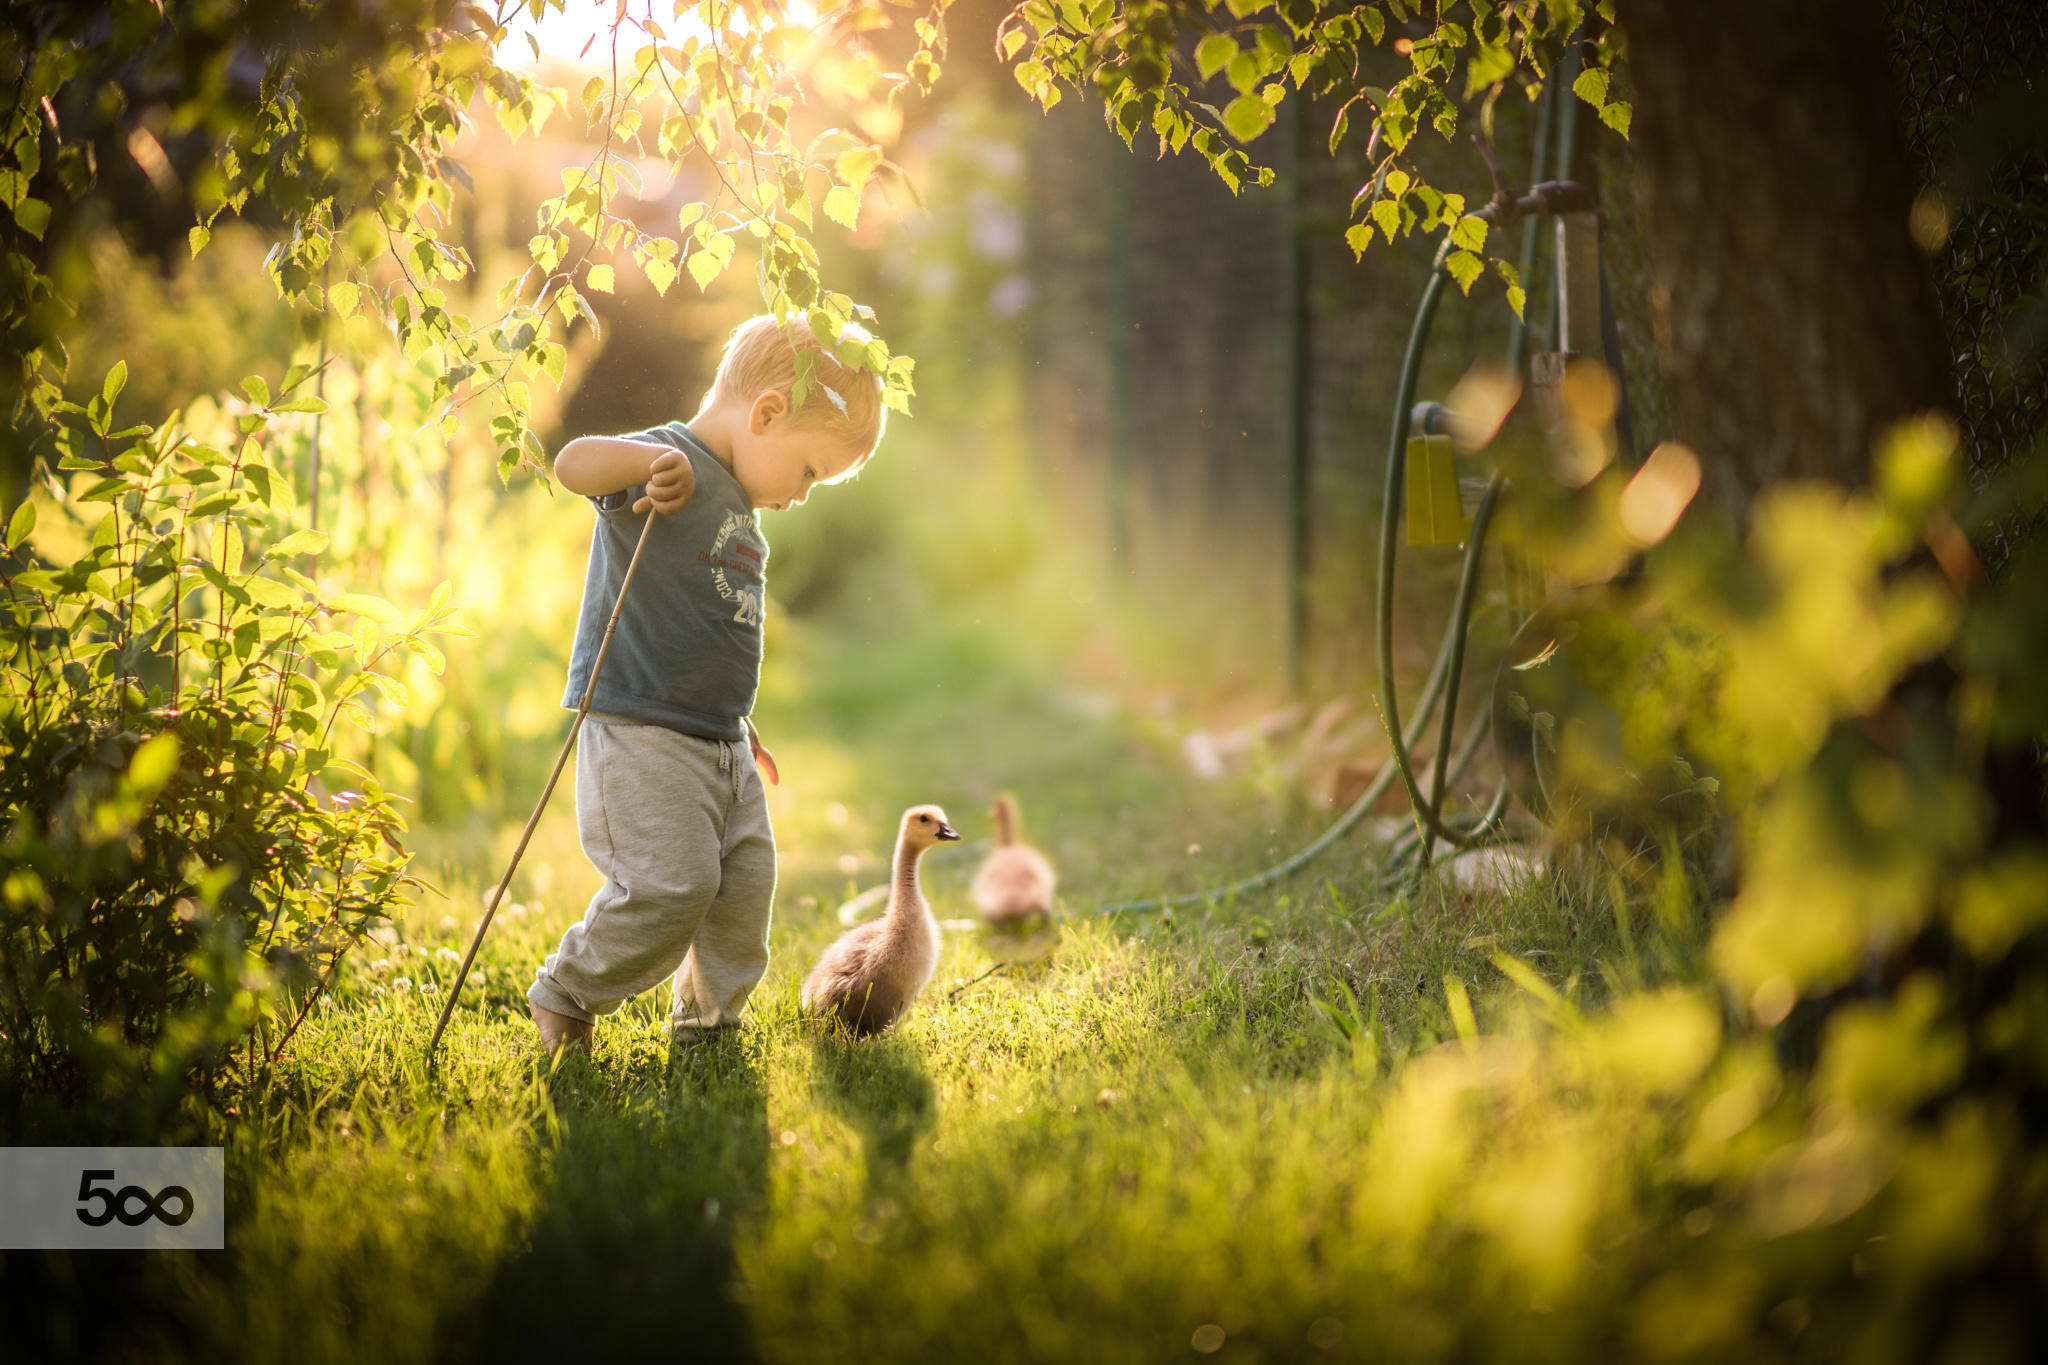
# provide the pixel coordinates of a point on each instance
(678, 828)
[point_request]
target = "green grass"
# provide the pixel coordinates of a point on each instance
(1151, 1136)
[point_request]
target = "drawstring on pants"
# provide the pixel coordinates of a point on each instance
(728, 762)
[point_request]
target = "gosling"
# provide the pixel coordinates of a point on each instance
(871, 974)
(1014, 892)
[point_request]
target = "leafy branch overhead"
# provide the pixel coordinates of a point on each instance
(1157, 66)
(338, 121)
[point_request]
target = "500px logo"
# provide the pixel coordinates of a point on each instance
(114, 1203)
(111, 1198)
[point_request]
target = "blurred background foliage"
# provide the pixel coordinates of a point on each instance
(1787, 1103)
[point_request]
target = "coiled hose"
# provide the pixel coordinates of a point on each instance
(1441, 687)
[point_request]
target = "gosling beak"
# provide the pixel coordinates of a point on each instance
(946, 831)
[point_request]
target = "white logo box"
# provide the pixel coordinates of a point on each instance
(111, 1198)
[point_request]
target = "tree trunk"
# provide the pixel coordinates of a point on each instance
(1794, 314)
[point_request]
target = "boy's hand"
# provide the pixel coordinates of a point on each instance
(763, 760)
(670, 481)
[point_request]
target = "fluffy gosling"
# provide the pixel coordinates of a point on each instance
(1014, 892)
(871, 974)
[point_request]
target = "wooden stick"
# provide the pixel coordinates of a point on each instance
(532, 821)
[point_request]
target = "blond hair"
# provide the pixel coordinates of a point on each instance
(760, 357)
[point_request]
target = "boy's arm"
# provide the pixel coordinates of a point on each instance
(596, 465)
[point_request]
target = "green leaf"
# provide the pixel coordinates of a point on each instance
(394, 691)
(280, 495)
(227, 547)
(842, 206)
(1247, 116)
(268, 593)
(154, 762)
(303, 403)
(856, 164)
(1591, 86)
(1388, 215)
(364, 604)
(227, 587)
(707, 262)
(1512, 278)
(1213, 53)
(1243, 72)
(22, 524)
(300, 543)
(600, 278)
(258, 391)
(1358, 237)
(32, 216)
(1491, 64)
(198, 237)
(261, 481)
(1616, 116)
(1470, 233)
(1465, 268)
(661, 272)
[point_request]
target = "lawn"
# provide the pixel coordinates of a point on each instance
(1148, 1146)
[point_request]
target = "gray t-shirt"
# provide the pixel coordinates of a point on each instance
(687, 653)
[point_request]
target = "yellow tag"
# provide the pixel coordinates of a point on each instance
(1434, 514)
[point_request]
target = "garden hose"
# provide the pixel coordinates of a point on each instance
(1390, 520)
(1468, 583)
(1544, 199)
(1431, 691)
(1518, 347)
(1450, 655)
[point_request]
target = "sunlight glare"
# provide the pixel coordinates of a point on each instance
(1480, 402)
(1660, 491)
(577, 36)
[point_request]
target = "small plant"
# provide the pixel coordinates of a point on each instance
(178, 884)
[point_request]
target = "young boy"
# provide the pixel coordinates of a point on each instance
(669, 805)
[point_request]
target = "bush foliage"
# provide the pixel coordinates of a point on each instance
(178, 881)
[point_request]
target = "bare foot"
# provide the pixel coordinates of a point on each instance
(559, 1030)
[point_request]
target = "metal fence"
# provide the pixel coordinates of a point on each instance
(1160, 350)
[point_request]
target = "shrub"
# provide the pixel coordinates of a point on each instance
(178, 885)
